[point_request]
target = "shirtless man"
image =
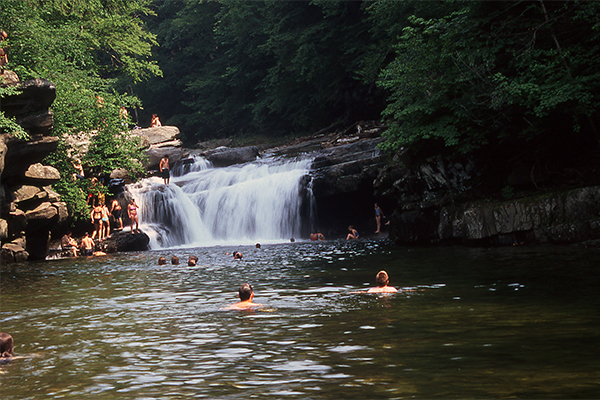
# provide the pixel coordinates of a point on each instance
(163, 166)
(382, 284)
(246, 294)
(87, 245)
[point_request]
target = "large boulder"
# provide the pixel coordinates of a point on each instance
(154, 155)
(42, 174)
(21, 154)
(13, 253)
(36, 96)
(151, 136)
(125, 241)
(224, 156)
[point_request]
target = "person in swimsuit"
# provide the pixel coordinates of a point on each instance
(115, 210)
(246, 294)
(164, 169)
(96, 216)
(383, 280)
(105, 222)
(378, 216)
(133, 215)
(7, 345)
(353, 233)
(87, 245)
(192, 260)
(68, 243)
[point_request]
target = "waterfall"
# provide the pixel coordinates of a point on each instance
(255, 202)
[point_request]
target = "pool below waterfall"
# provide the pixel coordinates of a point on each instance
(472, 323)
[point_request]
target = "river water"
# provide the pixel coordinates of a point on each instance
(479, 323)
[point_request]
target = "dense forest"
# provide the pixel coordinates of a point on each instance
(511, 81)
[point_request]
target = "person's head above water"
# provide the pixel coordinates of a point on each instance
(7, 345)
(175, 260)
(245, 292)
(382, 279)
(162, 261)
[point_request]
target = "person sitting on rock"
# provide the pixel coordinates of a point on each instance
(69, 244)
(353, 233)
(155, 122)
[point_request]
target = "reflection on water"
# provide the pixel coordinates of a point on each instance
(510, 322)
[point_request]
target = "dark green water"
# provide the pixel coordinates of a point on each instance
(517, 322)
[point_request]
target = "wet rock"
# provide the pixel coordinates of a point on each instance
(155, 154)
(11, 253)
(224, 156)
(125, 241)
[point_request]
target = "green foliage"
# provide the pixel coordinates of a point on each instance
(475, 74)
(8, 124)
(261, 67)
(87, 49)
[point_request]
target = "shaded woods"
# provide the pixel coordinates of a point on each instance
(514, 83)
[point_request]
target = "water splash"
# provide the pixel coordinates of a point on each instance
(261, 201)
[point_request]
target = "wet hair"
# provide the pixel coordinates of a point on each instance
(162, 261)
(245, 292)
(258, 245)
(237, 255)
(292, 240)
(192, 261)
(175, 260)
(382, 278)
(7, 345)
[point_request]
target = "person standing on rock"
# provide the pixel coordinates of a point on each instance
(132, 212)
(96, 216)
(3, 56)
(163, 166)
(378, 216)
(115, 210)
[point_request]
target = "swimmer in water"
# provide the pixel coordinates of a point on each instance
(192, 261)
(162, 261)
(7, 346)
(246, 294)
(382, 284)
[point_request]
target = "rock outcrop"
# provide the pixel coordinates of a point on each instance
(29, 208)
(433, 204)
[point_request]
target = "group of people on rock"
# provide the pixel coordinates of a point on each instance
(100, 217)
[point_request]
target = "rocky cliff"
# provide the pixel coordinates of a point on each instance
(29, 208)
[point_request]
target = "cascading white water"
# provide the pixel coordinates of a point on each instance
(255, 202)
